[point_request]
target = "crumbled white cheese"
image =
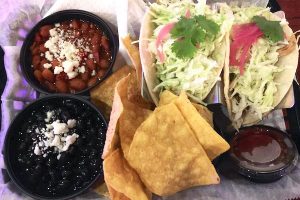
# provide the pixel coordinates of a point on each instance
(49, 126)
(59, 128)
(81, 69)
(54, 135)
(41, 144)
(70, 139)
(49, 116)
(93, 73)
(48, 56)
(53, 32)
(58, 70)
(91, 56)
(72, 74)
(57, 24)
(55, 142)
(71, 123)
(68, 66)
(47, 65)
(37, 150)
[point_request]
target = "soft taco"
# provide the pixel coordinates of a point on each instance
(183, 47)
(262, 64)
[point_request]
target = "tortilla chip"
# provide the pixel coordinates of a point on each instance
(167, 155)
(212, 142)
(168, 97)
(131, 118)
(122, 178)
(124, 94)
(103, 94)
(112, 139)
(134, 55)
(115, 195)
(134, 94)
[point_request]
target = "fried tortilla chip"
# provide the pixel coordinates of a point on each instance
(125, 95)
(168, 97)
(212, 142)
(103, 94)
(167, 155)
(123, 179)
(131, 118)
(115, 195)
(134, 55)
(112, 139)
(134, 94)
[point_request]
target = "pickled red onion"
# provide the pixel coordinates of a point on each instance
(188, 14)
(162, 35)
(243, 36)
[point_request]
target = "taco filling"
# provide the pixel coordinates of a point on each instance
(257, 43)
(188, 43)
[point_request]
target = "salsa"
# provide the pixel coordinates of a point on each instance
(263, 153)
(70, 56)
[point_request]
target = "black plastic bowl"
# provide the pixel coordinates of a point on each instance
(263, 153)
(13, 151)
(26, 57)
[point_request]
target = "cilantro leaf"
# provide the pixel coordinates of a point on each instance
(189, 32)
(184, 48)
(271, 29)
(198, 36)
(180, 29)
(208, 25)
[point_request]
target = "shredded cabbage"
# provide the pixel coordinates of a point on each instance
(254, 91)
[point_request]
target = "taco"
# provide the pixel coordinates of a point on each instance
(262, 64)
(183, 47)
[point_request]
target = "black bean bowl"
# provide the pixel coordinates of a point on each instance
(46, 176)
(26, 56)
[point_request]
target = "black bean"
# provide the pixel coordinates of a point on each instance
(94, 164)
(38, 170)
(78, 181)
(94, 154)
(72, 150)
(40, 117)
(63, 184)
(66, 173)
(54, 176)
(65, 115)
(51, 162)
(39, 159)
(48, 108)
(85, 173)
(85, 151)
(22, 146)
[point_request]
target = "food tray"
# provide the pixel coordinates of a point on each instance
(292, 115)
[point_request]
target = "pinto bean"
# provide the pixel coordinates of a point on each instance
(48, 75)
(77, 84)
(61, 86)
